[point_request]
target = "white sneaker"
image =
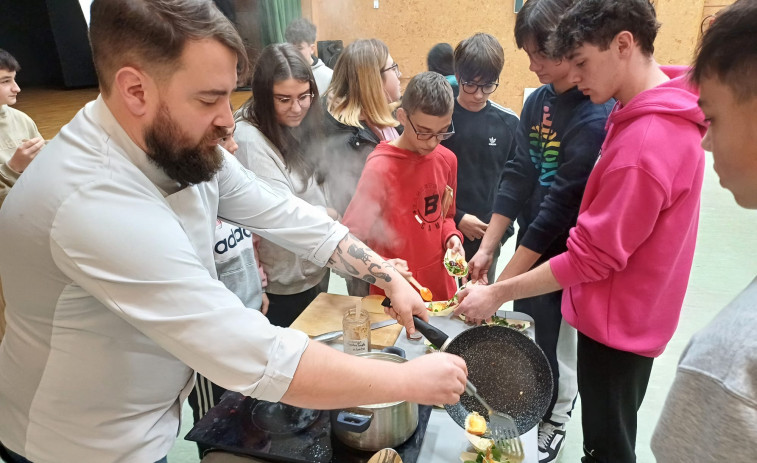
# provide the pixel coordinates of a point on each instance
(551, 438)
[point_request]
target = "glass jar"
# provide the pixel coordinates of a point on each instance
(357, 331)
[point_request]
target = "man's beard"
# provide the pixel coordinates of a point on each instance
(170, 149)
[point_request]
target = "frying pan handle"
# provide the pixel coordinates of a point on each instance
(434, 335)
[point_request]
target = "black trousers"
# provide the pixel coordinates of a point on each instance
(283, 309)
(547, 315)
(612, 384)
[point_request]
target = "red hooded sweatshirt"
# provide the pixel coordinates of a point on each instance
(629, 256)
(397, 211)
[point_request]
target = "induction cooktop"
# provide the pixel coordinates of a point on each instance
(282, 433)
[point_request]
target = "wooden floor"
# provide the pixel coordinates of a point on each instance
(52, 109)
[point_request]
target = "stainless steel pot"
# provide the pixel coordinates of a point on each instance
(374, 427)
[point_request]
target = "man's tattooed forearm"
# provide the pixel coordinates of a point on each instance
(358, 253)
(378, 273)
(347, 266)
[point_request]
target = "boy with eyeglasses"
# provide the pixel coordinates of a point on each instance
(558, 141)
(399, 207)
(484, 140)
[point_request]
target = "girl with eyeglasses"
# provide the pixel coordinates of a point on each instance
(278, 133)
(359, 104)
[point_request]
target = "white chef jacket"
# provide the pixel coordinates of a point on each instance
(112, 297)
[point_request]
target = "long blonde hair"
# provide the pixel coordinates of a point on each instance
(357, 88)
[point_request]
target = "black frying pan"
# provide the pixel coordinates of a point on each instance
(510, 371)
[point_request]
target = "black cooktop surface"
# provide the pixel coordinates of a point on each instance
(283, 433)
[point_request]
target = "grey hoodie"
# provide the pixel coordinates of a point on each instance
(711, 411)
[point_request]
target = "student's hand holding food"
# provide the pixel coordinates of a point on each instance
(454, 258)
(478, 302)
(471, 227)
(25, 153)
(456, 245)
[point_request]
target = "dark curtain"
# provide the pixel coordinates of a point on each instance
(274, 17)
(49, 40)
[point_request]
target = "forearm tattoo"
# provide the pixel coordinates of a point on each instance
(377, 273)
(347, 266)
(360, 252)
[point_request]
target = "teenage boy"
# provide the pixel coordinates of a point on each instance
(711, 410)
(301, 34)
(558, 141)
(629, 256)
(484, 137)
(20, 140)
(398, 205)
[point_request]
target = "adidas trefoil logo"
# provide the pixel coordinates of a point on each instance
(492, 141)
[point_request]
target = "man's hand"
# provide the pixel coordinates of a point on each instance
(25, 153)
(456, 245)
(478, 303)
(478, 266)
(471, 227)
(406, 302)
(432, 379)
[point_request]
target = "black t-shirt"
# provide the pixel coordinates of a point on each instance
(483, 142)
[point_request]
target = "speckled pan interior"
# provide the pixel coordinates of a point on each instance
(510, 372)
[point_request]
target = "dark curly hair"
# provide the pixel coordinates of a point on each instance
(597, 22)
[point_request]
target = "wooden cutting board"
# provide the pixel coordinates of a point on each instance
(325, 314)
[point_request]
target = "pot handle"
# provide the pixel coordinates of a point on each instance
(352, 422)
(395, 350)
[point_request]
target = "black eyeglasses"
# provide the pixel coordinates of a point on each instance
(394, 67)
(472, 87)
(423, 136)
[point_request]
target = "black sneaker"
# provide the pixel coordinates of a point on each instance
(551, 438)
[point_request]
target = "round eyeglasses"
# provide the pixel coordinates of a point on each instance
(472, 87)
(303, 100)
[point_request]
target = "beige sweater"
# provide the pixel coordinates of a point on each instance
(15, 127)
(287, 272)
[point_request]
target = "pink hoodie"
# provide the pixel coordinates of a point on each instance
(629, 256)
